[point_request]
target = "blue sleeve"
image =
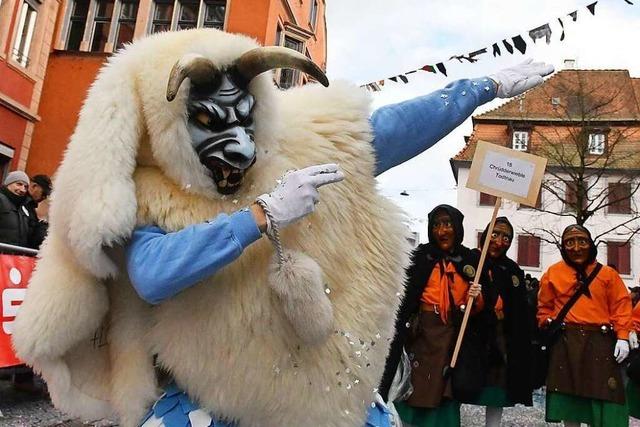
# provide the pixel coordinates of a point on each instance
(161, 264)
(402, 131)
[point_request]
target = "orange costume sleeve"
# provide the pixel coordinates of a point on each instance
(546, 297)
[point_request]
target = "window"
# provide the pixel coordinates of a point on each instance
(101, 25)
(487, 199)
(278, 40)
(479, 245)
(289, 77)
(538, 202)
(77, 23)
(520, 140)
(214, 14)
(528, 251)
(313, 16)
(162, 13)
(596, 143)
(619, 256)
(188, 17)
(126, 22)
(571, 197)
(619, 196)
(24, 33)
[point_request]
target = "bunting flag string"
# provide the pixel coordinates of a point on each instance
(509, 44)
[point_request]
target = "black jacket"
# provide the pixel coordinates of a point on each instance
(423, 261)
(19, 224)
(508, 279)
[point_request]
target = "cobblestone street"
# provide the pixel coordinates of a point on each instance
(20, 409)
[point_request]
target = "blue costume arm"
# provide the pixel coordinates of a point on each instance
(402, 131)
(162, 264)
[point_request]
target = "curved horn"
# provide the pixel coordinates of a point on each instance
(261, 59)
(199, 69)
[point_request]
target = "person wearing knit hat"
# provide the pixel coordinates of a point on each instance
(19, 224)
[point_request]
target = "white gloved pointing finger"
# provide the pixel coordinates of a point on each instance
(297, 193)
(516, 80)
(621, 351)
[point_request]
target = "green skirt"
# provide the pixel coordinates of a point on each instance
(446, 415)
(493, 396)
(596, 413)
(633, 399)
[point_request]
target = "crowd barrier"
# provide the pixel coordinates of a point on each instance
(16, 266)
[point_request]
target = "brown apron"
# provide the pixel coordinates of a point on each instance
(582, 364)
(430, 350)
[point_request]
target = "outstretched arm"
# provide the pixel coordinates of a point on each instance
(402, 131)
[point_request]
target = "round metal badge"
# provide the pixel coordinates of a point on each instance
(469, 271)
(515, 280)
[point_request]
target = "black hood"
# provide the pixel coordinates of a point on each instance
(593, 250)
(499, 220)
(456, 218)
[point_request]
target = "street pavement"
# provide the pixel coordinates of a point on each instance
(22, 409)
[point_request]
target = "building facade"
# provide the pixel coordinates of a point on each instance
(593, 112)
(26, 31)
(88, 31)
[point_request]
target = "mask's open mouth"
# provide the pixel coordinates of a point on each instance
(227, 178)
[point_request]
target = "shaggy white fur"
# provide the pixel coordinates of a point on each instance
(237, 343)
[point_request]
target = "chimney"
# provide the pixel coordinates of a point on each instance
(569, 64)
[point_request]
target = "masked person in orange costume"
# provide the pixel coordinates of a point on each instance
(584, 382)
(439, 283)
(510, 361)
(633, 386)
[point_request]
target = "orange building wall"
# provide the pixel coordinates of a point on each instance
(68, 79)
(62, 96)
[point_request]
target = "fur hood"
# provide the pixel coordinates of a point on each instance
(235, 342)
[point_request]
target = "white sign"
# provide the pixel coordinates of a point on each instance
(506, 173)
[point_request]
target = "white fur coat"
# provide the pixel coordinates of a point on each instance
(227, 341)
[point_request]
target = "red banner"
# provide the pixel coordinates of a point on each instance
(15, 272)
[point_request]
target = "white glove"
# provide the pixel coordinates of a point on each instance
(621, 351)
(633, 340)
(519, 79)
(297, 193)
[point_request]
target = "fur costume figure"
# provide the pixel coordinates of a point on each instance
(289, 340)
(226, 341)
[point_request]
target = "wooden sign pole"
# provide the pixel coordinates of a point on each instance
(483, 255)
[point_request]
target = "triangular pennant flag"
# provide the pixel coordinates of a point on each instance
(508, 46)
(410, 72)
(441, 68)
(592, 7)
(381, 82)
(394, 79)
(496, 50)
(562, 25)
(429, 68)
(520, 44)
(574, 15)
(404, 78)
(540, 32)
(628, 2)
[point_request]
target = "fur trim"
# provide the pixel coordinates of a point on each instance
(300, 286)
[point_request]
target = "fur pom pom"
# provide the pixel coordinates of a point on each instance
(300, 286)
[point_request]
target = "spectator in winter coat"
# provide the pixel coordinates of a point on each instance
(19, 224)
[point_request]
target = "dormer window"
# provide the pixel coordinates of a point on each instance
(520, 140)
(596, 143)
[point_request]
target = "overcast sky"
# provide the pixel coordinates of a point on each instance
(369, 40)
